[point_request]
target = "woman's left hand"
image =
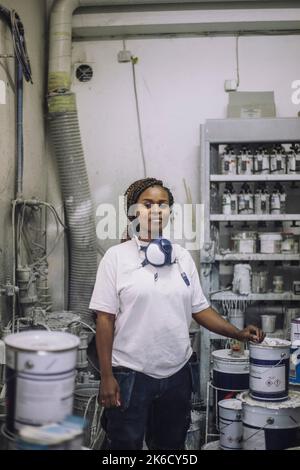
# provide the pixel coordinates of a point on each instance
(251, 333)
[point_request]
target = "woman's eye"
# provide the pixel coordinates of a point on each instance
(164, 205)
(147, 204)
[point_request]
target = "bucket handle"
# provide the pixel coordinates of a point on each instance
(283, 355)
(269, 421)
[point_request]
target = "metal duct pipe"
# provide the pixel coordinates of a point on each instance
(65, 132)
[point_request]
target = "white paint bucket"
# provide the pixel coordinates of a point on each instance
(40, 373)
(270, 426)
(244, 242)
(295, 329)
(230, 424)
(269, 369)
(230, 372)
(270, 242)
(268, 323)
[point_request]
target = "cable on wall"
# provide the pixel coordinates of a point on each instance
(237, 60)
(134, 62)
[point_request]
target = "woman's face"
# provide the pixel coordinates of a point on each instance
(154, 212)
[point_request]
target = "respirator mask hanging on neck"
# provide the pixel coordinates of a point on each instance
(159, 252)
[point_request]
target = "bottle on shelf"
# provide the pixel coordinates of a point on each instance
(261, 161)
(245, 200)
(261, 200)
(282, 199)
(245, 162)
(278, 200)
(228, 161)
(229, 200)
(278, 160)
(291, 159)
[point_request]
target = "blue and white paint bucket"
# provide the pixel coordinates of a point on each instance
(230, 424)
(295, 330)
(230, 373)
(269, 369)
(295, 363)
(40, 375)
(270, 425)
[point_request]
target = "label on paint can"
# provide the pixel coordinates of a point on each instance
(267, 379)
(43, 399)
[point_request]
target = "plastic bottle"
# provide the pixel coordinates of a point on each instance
(245, 200)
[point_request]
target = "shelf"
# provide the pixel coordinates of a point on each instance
(266, 177)
(257, 257)
(270, 296)
(253, 217)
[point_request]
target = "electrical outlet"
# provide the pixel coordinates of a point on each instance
(124, 56)
(230, 85)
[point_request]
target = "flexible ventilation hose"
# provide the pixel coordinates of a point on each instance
(65, 132)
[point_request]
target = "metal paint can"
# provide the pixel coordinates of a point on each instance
(269, 369)
(268, 323)
(230, 372)
(40, 374)
(270, 242)
(270, 426)
(230, 424)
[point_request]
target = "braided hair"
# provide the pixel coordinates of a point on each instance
(133, 193)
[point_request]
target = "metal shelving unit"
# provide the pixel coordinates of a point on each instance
(228, 178)
(257, 257)
(238, 132)
(254, 217)
(268, 296)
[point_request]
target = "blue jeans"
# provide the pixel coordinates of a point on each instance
(158, 410)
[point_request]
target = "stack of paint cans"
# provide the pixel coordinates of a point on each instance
(230, 375)
(270, 412)
(40, 378)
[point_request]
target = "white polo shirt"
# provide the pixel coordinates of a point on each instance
(153, 311)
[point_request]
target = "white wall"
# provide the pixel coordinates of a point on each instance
(180, 84)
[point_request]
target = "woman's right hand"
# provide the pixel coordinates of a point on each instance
(109, 396)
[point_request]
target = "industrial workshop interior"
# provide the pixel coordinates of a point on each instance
(150, 225)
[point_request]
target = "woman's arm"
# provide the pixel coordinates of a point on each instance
(109, 388)
(211, 320)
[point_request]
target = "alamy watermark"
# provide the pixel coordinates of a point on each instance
(185, 225)
(296, 94)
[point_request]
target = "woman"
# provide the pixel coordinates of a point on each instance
(142, 334)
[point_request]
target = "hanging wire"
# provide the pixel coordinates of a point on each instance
(133, 62)
(237, 60)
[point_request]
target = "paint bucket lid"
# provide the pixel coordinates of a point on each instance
(272, 343)
(230, 404)
(270, 236)
(245, 236)
(296, 344)
(42, 341)
(227, 356)
(293, 401)
(296, 320)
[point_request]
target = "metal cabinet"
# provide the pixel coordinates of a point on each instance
(253, 133)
